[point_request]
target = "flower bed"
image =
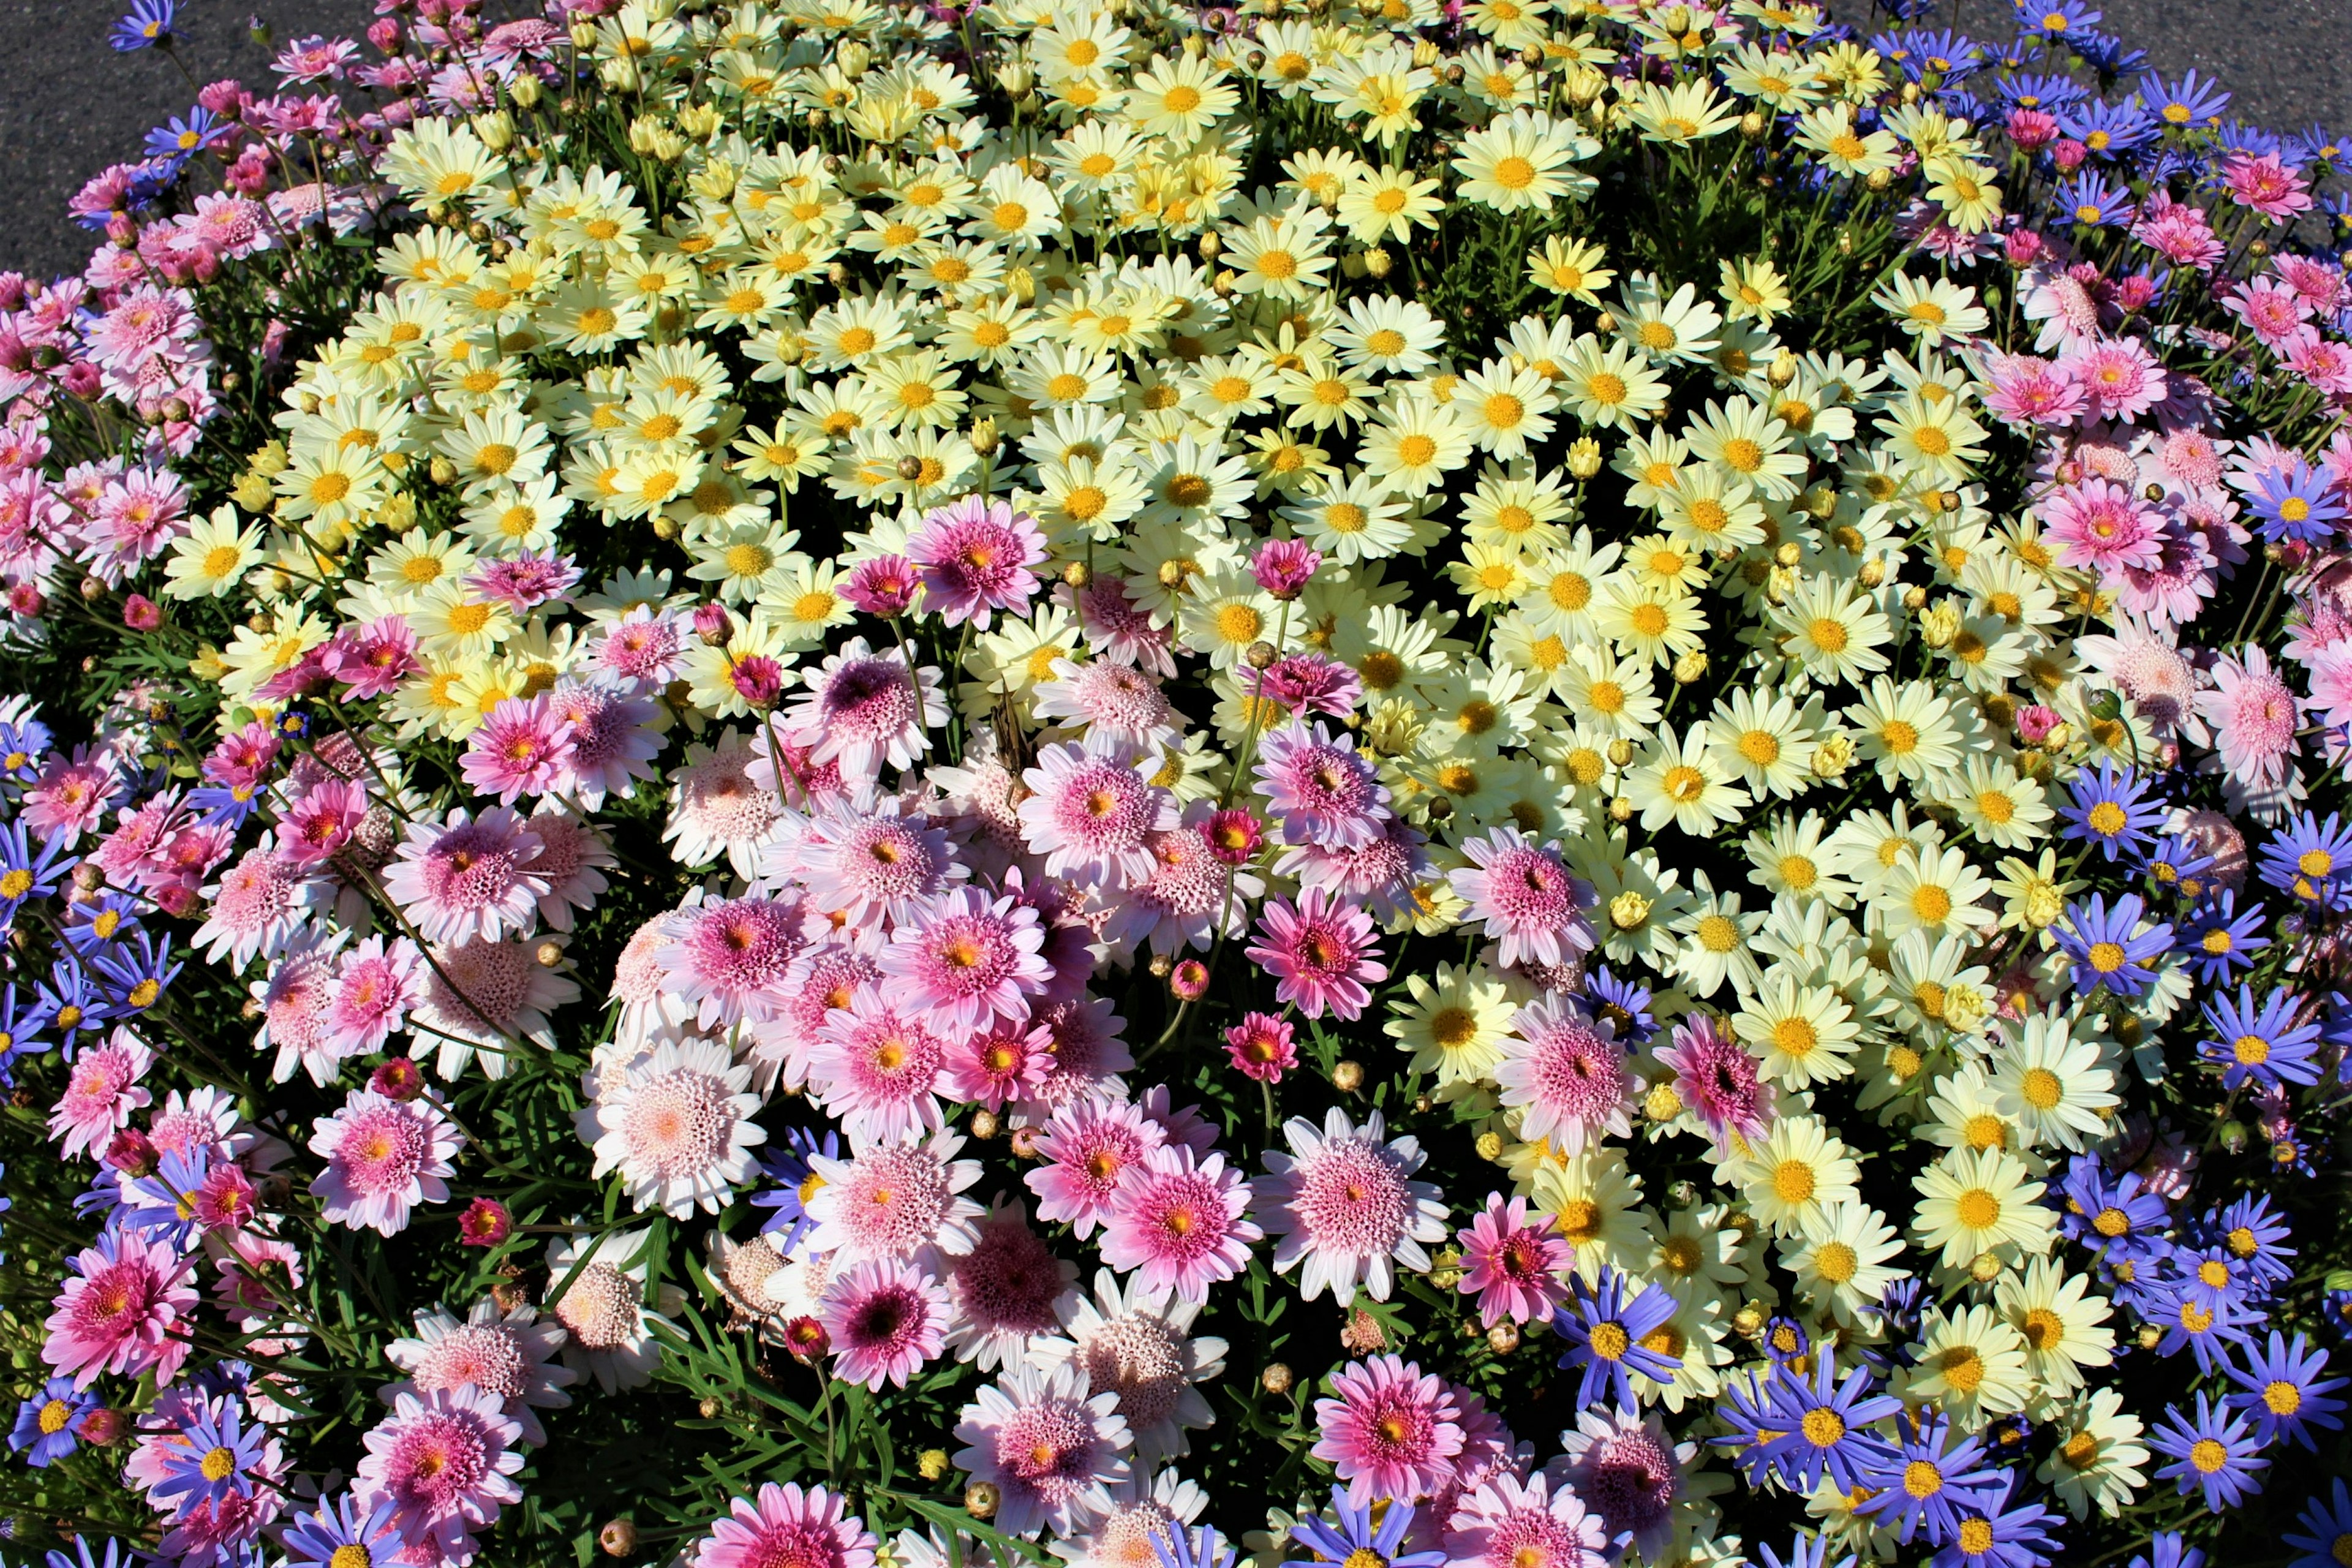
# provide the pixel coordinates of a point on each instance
(805, 785)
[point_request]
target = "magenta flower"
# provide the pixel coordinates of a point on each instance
(101, 1091)
(123, 1312)
(1092, 811)
(2103, 527)
(445, 1462)
(1321, 953)
(1284, 567)
(1516, 1269)
(523, 747)
(728, 960)
(613, 740)
(788, 1526)
(1007, 1291)
(877, 1070)
(1260, 1048)
(883, 585)
(384, 1157)
(1084, 1151)
(1717, 1078)
(374, 988)
(864, 709)
(877, 867)
(1392, 1432)
(974, 557)
(316, 827)
(1176, 1218)
(886, 1320)
(1321, 787)
(1532, 906)
(1535, 1522)
(1002, 1062)
(966, 960)
(1568, 1073)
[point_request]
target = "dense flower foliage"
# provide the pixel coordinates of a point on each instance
(811, 785)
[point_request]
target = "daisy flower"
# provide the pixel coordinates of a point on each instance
(864, 709)
(1321, 952)
(1137, 1343)
(445, 1462)
(1980, 1200)
(1176, 1219)
(384, 1157)
(1795, 1174)
(885, 1320)
(892, 1200)
(1525, 896)
(1050, 1446)
(1567, 1076)
(677, 1125)
(1091, 811)
(1535, 1522)
(809, 1528)
(469, 878)
(1516, 1268)
(1342, 1203)
(1393, 1431)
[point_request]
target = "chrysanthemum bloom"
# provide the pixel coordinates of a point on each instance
(125, 1310)
(522, 747)
(975, 557)
(613, 741)
(1083, 1151)
(876, 1068)
(864, 709)
(885, 1320)
(1392, 1432)
(878, 864)
(470, 879)
(316, 827)
(966, 960)
(446, 1461)
(1137, 1343)
(1569, 1074)
(507, 1353)
(1092, 811)
(718, 806)
(1003, 1062)
(101, 1091)
(374, 986)
(1321, 787)
(1007, 1291)
(1627, 1470)
(2254, 715)
(1342, 1202)
(677, 1126)
(384, 1157)
(1717, 1078)
(1050, 1448)
(893, 1200)
(256, 908)
(1114, 700)
(788, 1526)
(1523, 892)
(1517, 1269)
(1176, 1220)
(1192, 897)
(2103, 527)
(728, 960)
(1321, 952)
(1535, 1522)
(1260, 1046)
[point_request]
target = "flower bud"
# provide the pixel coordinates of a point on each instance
(1378, 263)
(980, 1499)
(984, 1124)
(1583, 457)
(1690, 666)
(1503, 1338)
(619, 1537)
(1276, 1378)
(712, 624)
(1347, 1077)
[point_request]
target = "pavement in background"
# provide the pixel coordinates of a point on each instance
(69, 105)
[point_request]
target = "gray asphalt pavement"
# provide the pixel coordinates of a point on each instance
(69, 105)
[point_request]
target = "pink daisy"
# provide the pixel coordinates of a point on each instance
(1088, 1054)
(1083, 1151)
(372, 660)
(883, 585)
(613, 741)
(510, 1354)
(677, 1126)
(865, 708)
(1568, 1073)
(1342, 1202)
(1625, 1468)
(1191, 897)
(573, 860)
(374, 988)
(1524, 893)
(966, 960)
(444, 1461)
(1176, 1219)
(718, 806)
(123, 1312)
(886, 1320)
(522, 747)
(642, 652)
(2025, 390)
(316, 827)
(2254, 715)
(296, 998)
(878, 865)
(102, 1089)
(1006, 1291)
(823, 981)
(728, 959)
(1118, 628)
(1260, 1046)
(2120, 379)
(1322, 953)
(1092, 811)
(1509, 1523)
(878, 1070)
(384, 1157)
(1001, 1062)
(1516, 1269)
(788, 1528)
(2103, 527)
(1321, 787)
(471, 879)
(257, 906)
(1393, 1431)
(975, 557)
(1108, 699)
(892, 1200)
(1717, 1078)
(486, 996)
(1381, 876)
(1050, 1448)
